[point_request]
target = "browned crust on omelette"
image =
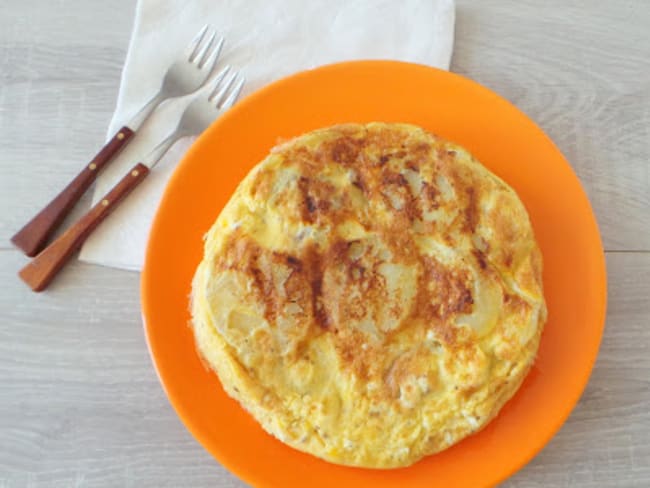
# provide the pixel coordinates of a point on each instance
(387, 243)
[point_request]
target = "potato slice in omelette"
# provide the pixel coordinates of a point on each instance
(371, 294)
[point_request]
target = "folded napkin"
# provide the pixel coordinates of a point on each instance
(266, 40)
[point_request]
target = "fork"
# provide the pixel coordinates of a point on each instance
(183, 77)
(195, 119)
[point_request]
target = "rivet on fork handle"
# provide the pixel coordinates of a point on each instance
(34, 235)
(43, 268)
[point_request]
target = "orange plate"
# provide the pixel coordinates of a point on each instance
(503, 139)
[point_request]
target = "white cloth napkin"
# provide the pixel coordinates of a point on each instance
(266, 39)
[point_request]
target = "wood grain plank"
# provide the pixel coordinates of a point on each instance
(581, 70)
(587, 85)
(79, 399)
(80, 404)
(58, 85)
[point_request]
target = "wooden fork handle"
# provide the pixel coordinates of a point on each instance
(44, 267)
(33, 236)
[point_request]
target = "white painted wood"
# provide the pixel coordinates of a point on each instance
(581, 70)
(80, 404)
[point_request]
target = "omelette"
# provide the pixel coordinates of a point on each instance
(371, 294)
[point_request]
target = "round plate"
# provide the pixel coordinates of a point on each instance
(504, 140)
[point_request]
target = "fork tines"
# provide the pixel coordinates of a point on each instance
(224, 94)
(205, 48)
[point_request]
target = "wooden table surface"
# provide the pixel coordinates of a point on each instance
(80, 404)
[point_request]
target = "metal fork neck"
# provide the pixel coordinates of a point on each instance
(143, 114)
(159, 151)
